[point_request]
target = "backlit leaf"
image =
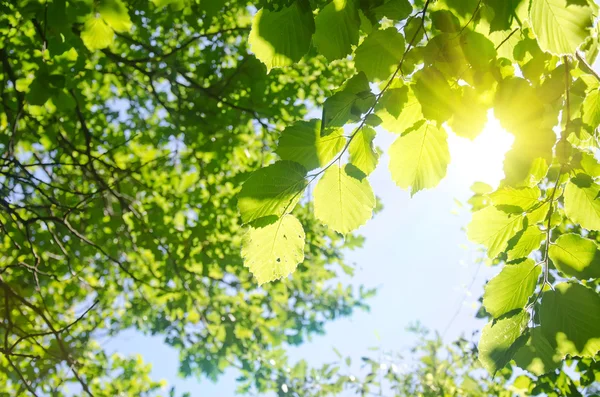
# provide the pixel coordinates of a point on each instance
(399, 109)
(281, 38)
(538, 356)
(582, 205)
(96, 34)
(576, 256)
(380, 53)
(272, 190)
(493, 228)
(526, 242)
(347, 104)
(561, 26)
(436, 97)
(362, 153)
(342, 201)
(115, 14)
(511, 288)
(302, 142)
(501, 339)
(570, 319)
(591, 108)
(396, 10)
(273, 251)
(523, 198)
(337, 29)
(419, 158)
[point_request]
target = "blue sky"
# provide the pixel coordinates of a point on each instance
(416, 253)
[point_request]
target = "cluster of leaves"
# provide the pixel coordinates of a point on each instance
(544, 304)
(127, 129)
(441, 66)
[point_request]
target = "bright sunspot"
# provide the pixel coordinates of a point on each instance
(481, 159)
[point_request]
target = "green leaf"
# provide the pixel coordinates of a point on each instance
(589, 164)
(396, 10)
(273, 251)
(591, 108)
(501, 339)
(576, 256)
(504, 11)
(511, 288)
(115, 14)
(96, 34)
(445, 21)
(272, 190)
(469, 114)
(302, 142)
(582, 205)
(342, 201)
(380, 53)
(281, 38)
(527, 241)
(522, 199)
(561, 26)
(538, 355)
(570, 319)
(419, 158)
(353, 99)
(478, 49)
(362, 153)
(337, 29)
(399, 109)
(436, 97)
(493, 228)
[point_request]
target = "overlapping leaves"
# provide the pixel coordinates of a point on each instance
(519, 58)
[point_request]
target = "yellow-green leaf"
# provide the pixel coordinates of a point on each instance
(561, 26)
(576, 256)
(379, 54)
(281, 38)
(362, 153)
(342, 201)
(272, 191)
(493, 228)
(570, 319)
(115, 14)
(419, 158)
(521, 199)
(96, 34)
(501, 339)
(273, 251)
(337, 29)
(538, 356)
(302, 142)
(511, 288)
(581, 203)
(399, 109)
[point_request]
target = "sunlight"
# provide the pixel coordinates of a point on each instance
(481, 159)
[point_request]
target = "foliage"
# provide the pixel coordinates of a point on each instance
(127, 129)
(454, 61)
(427, 369)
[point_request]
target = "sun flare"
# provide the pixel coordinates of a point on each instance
(481, 159)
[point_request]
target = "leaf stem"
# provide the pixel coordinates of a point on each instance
(587, 66)
(507, 38)
(567, 94)
(379, 95)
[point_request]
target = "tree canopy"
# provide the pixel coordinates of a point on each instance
(159, 172)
